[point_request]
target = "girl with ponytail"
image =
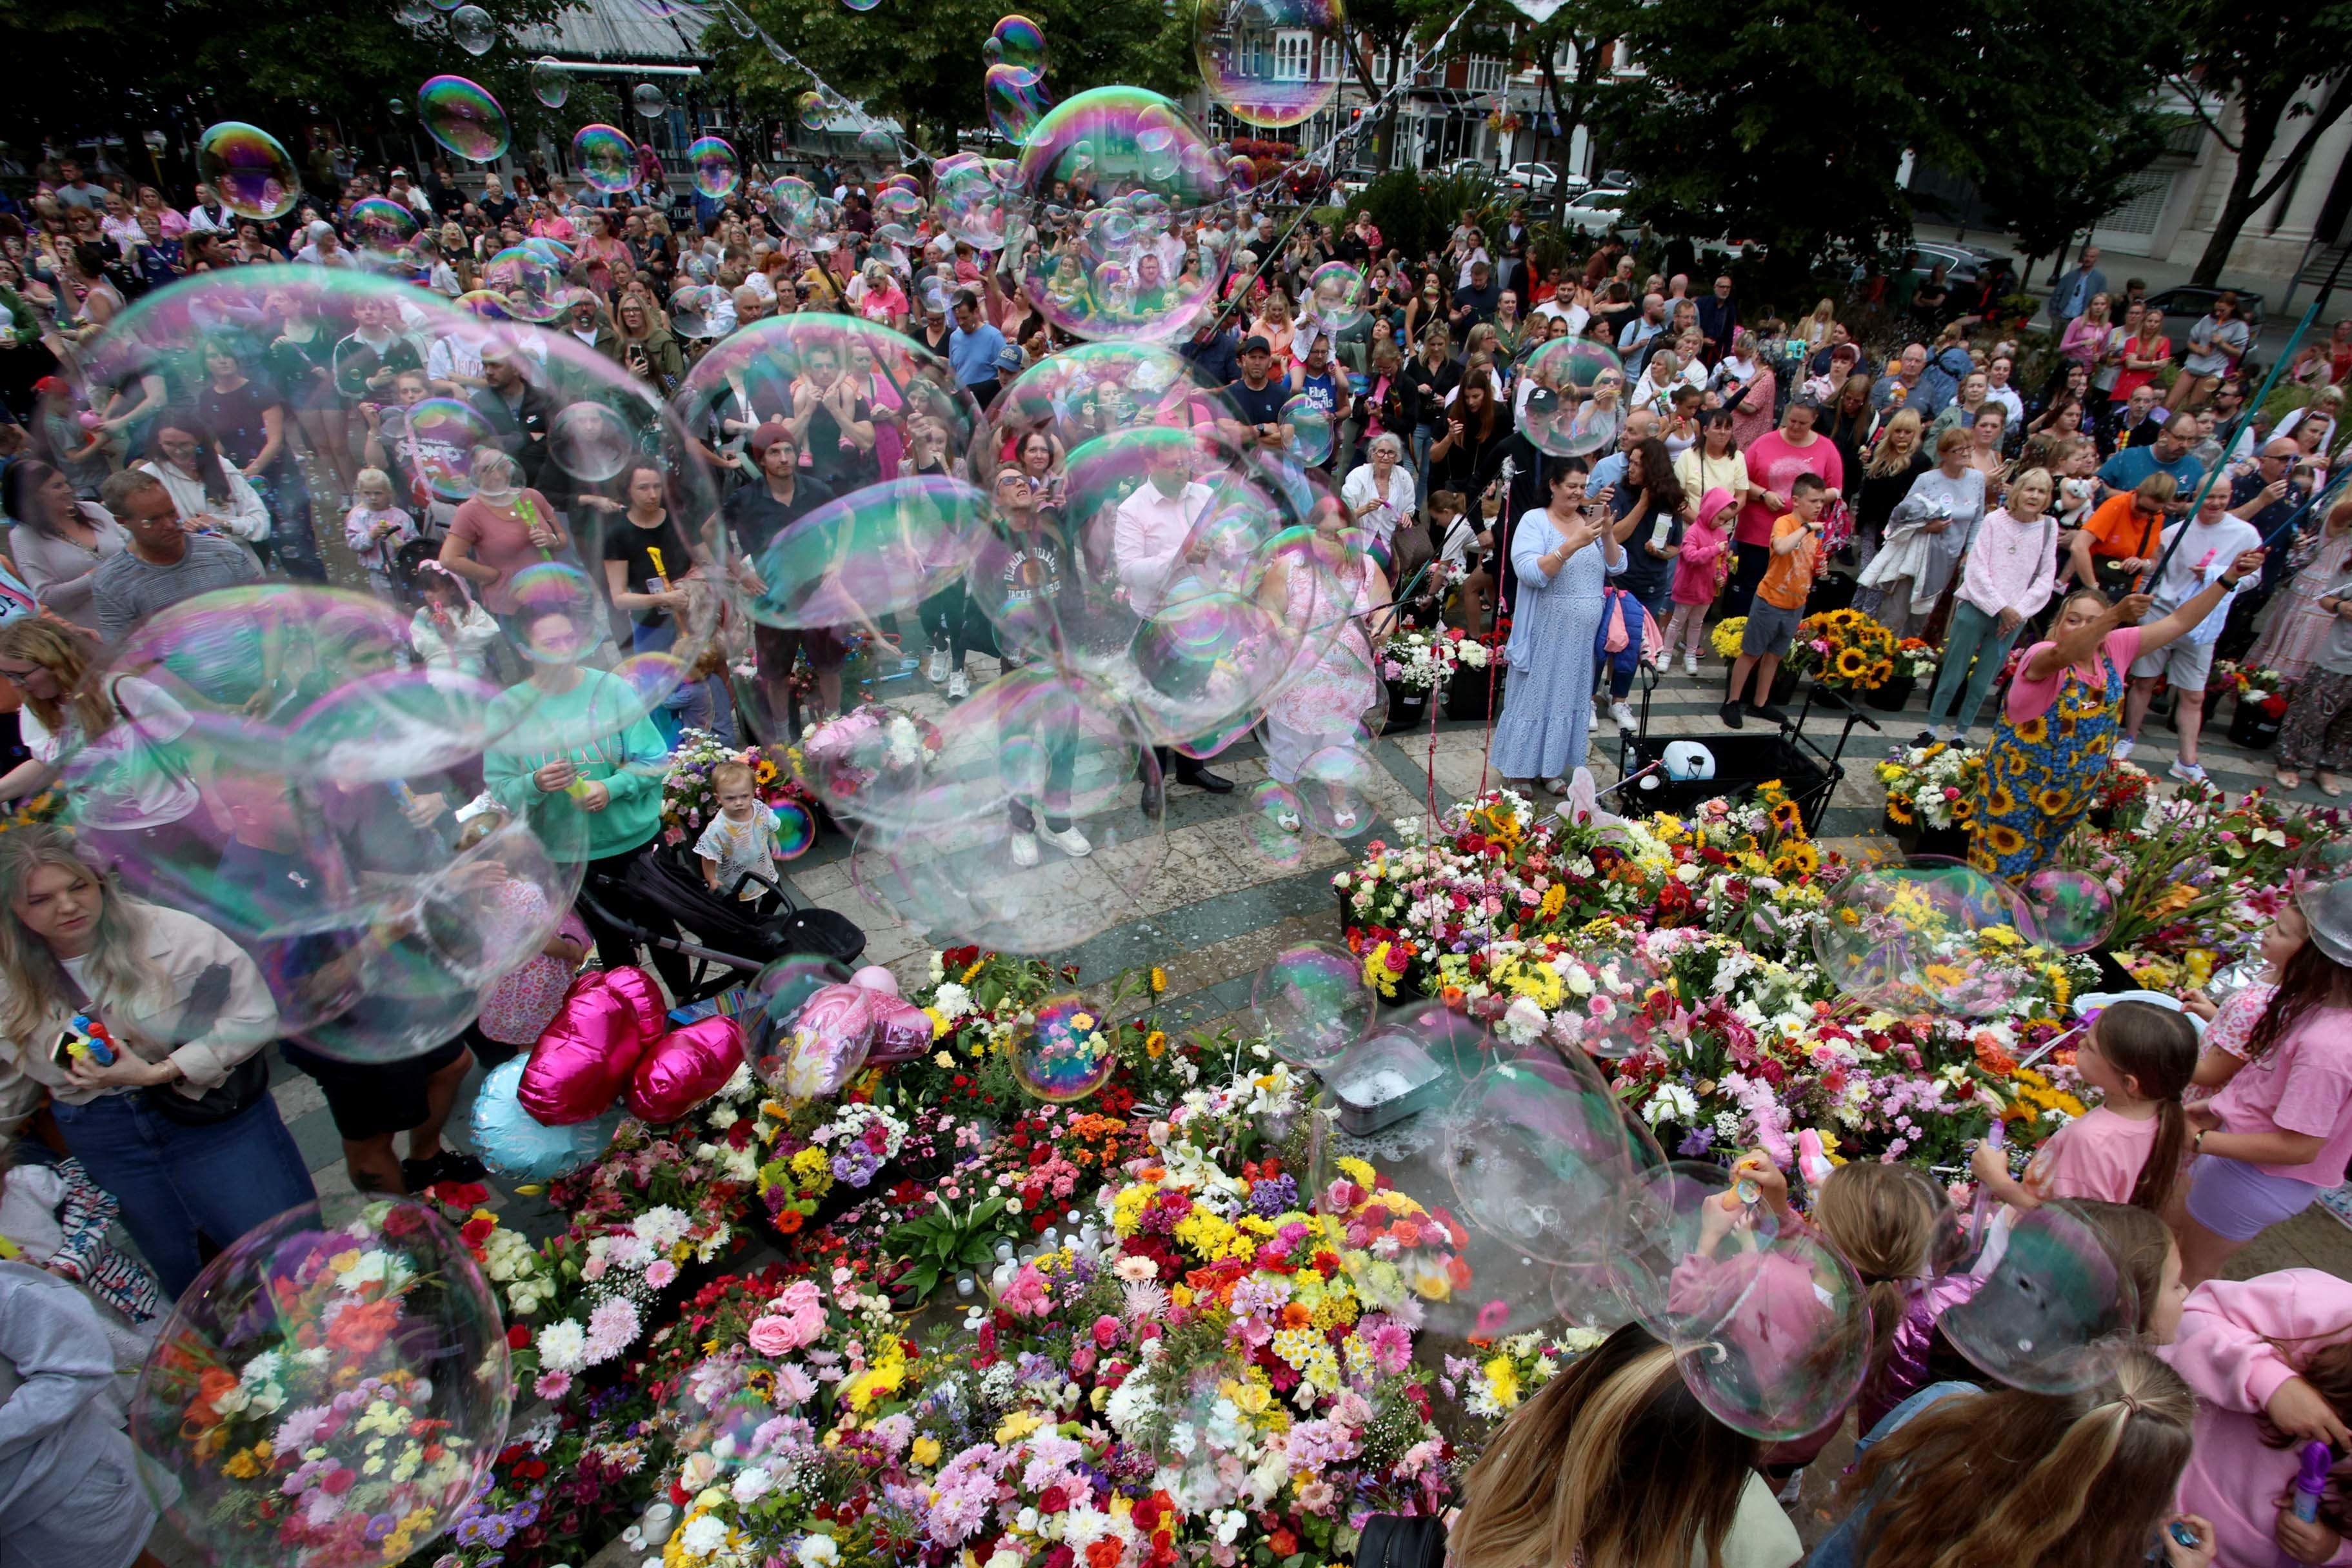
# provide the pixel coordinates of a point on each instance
(2127, 1149)
(1958, 1476)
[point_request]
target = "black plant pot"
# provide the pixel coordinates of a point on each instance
(2252, 729)
(1892, 697)
(1474, 693)
(1408, 708)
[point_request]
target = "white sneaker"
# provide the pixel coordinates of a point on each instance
(1069, 841)
(1025, 850)
(2122, 749)
(1343, 820)
(938, 670)
(1690, 665)
(958, 687)
(1288, 822)
(2187, 772)
(1622, 715)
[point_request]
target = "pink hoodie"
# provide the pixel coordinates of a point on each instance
(2223, 1350)
(1698, 571)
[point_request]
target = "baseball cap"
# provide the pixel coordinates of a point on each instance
(1253, 344)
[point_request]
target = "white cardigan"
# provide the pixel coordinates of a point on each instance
(247, 518)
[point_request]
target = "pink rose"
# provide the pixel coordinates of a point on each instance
(1105, 1331)
(773, 1337)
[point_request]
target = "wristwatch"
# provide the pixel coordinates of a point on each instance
(2197, 1144)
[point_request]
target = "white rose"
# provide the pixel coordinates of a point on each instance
(704, 1535)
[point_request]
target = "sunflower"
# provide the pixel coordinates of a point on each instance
(2053, 802)
(1786, 815)
(2033, 731)
(1900, 811)
(1882, 671)
(1999, 801)
(1852, 663)
(1963, 809)
(2003, 839)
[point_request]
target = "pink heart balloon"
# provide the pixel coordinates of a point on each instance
(644, 994)
(828, 1042)
(583, 1058)
(684, 1067)
(902, 1034)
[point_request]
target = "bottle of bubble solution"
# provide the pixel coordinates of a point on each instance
(2310, 1485)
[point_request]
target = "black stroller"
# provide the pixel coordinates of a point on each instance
(703, 941)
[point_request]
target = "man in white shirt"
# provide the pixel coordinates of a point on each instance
(415, 200)
(1154, 551)
(208, 216)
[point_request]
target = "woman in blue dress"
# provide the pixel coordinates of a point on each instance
(1563, 555)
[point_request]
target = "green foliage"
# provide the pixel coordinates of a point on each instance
(267, 62)
(920, 64)
(1415, 215)
(948, 1239)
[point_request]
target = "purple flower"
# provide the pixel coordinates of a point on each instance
(379, 1526)
(1268, 1199)
(1694, 1143)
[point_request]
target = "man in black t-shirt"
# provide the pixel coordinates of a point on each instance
(755, 516)
(834, 426)
(1257, 397)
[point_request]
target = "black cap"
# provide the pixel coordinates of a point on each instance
(1253, 344)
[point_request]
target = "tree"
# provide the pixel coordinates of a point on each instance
(2288, 69)
(85, 69)
(1788, 124)
(2066, 168)
(921, 65)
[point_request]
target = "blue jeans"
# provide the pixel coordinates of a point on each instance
(1976, 633)
(175, 1181)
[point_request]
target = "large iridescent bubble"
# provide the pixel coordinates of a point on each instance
(1254, 55)
(1930, 936)
(1019, 45)
(605, 158)
(330, 1392)
(250, 169)
(463, 117)
(1119, 269)
(1578, 403)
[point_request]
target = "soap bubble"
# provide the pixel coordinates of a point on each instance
(1928, 937)
(464, 118)
(380, 223)
(1116, 270)
(1666, 1213)
(373, 1331)
(861, 5)
(1274, 823)
(591, 442)
(447, 434)
(1020, 44)
(2050, 1302)
(1335, 788)
(2073, 909)
(649, 100)
(1311, 1001)
(1614, 1002)
(519, 1146)
(1791, 1337)
(528, 286)
(1578, 403)
(1338, 297)
(715, 173)
(1063, 1055)
(1014, 101)
(250, 169)
(1092, 388)
(1023, 832)
(811, 109)
(472, 29)
(1536, 1153)
(550, 82)
(967, 202)
(795, 830)
(1309, 424)
(1243, 49)
(605, 158)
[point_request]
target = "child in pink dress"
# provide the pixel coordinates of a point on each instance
(1324, 707)
(1699, 577)
(522, 1004)
(2127, 1149)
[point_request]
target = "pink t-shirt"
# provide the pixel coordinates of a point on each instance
(2097, 1156)
(2301, 1085)
(2032, 699)
(1773, 464)
(501, 539)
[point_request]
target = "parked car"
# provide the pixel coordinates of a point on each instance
(1539, 177)
(2184, 306)
(1598, 213)
(1348, 183)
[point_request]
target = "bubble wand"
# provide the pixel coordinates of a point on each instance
(2310, 1485)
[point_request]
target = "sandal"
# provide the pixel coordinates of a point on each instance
(2288, 779)
(2330, 786)
(1555, 786)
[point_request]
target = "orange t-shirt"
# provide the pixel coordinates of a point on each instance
(2117, 535)
(1790, 577)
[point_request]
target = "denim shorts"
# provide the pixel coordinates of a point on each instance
(2238, 1202)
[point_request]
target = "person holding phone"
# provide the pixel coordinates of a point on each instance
(1563, 554)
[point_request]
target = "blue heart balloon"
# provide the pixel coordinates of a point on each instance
(515, 1145)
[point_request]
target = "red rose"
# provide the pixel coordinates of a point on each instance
(339, 1481)
(1105, 1553)
(459, 1194)
(517, 1337)
(1052, 1499)
(474, 1232)
(1282, 1542)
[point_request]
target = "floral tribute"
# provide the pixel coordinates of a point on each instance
(1844, 650)
(1424, 661)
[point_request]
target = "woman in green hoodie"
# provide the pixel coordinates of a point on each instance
(578, 756)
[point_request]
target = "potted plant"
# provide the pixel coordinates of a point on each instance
(1930, 797)
(2261, 707)
(1415, 663)
(1914, 661)
(1844, 651)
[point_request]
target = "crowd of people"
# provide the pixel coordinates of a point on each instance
(2037, 508)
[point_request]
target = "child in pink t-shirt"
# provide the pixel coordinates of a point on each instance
(2270, 1363)
(2128, 1148)
(1698, 574)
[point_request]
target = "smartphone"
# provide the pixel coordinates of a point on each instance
(61, 1055)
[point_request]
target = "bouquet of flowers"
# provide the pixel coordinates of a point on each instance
(1424, 661)
(2263, 688)
(1915, 659)
(1844, 650)
(331, 1393)
(872, 748)
(1725, 638)
(2120, 790)
(1932, 784)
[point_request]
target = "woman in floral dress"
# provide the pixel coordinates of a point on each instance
(1336, 595)
(2291, 642)
(2061, 716)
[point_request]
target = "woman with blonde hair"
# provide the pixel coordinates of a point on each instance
(180, 1127)
(1615, 1464)
(1959, 1475)
(1814, 330)
(1899, 457)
